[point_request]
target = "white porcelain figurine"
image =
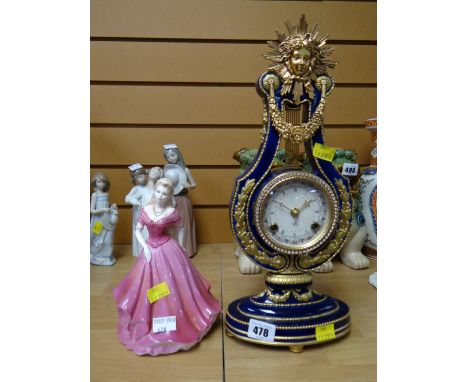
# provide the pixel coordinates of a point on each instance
(103, 222)
(146, 193)
(368, 200)
(351, 253)
(180, 176)
(134, 197)
(373, 279)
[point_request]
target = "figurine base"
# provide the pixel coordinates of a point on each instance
(97, 260)
(294, 308)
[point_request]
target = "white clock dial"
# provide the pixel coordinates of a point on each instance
(296, 212)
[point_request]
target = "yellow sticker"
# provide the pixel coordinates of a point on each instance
(97, 227)
(325, 332)
(324, 152)
(157, 292)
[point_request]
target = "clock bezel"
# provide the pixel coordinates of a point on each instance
(314, 243)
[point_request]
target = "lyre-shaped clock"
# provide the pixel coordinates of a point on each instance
(290, 221)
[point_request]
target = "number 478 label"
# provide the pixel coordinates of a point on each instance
(164, 324)
(260, 330)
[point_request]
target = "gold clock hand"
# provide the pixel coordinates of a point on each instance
(305, 205)
(282, 205)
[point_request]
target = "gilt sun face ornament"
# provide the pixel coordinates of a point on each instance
(299, 57)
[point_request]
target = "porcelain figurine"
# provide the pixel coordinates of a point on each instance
(134, 197)
(180, 175)
(368, 202)
(350, 253)
(147, 193)
(368, 194)
(141, 196)
(371, 125)
(373, 279)
(163, 260)
(245, 158)
(103, 222)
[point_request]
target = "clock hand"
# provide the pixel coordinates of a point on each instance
(305, 205)
(282, 205)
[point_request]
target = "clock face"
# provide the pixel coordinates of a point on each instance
(296, 212)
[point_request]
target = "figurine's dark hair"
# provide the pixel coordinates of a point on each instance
(104, 178)
(137, 172)
(180, 160)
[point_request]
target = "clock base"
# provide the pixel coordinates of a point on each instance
(295, 310)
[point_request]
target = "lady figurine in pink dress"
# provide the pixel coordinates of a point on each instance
(182, 179)
(182, 310)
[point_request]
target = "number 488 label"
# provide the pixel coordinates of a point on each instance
(260, 330)
(350, 169)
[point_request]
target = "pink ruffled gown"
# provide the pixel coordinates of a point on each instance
(190, 299)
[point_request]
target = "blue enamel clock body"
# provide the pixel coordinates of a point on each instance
(259, 174)
(288, 302)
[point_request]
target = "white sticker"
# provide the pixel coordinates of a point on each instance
(260, 330)
(350, 169)
(164, 324)
(135, 166)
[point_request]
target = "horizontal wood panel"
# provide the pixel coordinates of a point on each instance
(350, 20)
(199, 146)
(214, 185)
(212, 226)
(211, 19)
(200, 62)
(212, 105)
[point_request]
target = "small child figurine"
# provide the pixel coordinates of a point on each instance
(103, 222)
(180, 175)
(134, 197)
(147, 192)
(187, 302)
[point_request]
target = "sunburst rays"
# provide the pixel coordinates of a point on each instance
(299, 36)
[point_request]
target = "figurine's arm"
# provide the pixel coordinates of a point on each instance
(141, 240)
(93, 209)
(180, 235)
(190, 181)
(133, 197)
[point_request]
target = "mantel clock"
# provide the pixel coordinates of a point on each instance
(290, 221)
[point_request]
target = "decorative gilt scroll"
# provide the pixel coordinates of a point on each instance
(306, 262)
(244, 235)
(286, 293)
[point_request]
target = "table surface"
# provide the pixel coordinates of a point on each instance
(222, 358)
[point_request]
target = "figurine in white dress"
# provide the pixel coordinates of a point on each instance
(134, 197)
(180, 176)
(147, 192)
(103, 222)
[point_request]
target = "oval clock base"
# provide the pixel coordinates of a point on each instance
(296, 318)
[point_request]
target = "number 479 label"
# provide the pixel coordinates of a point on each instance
(260, 330)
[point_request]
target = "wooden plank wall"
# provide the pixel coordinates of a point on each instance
(183, 72)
